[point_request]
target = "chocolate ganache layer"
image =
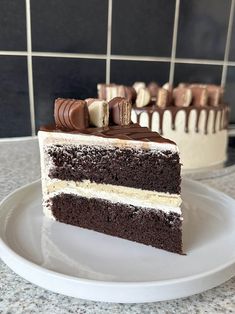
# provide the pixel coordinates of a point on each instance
(131, 132)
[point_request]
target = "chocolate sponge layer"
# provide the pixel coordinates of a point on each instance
(137, 168)
(147, 226)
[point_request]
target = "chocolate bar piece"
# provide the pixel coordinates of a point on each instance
(182, 96)
(120, 111)
(162, 100)
(130, 94)
(153, 88)
(167, 86)
(110, 91)
(200, 96)
(71, 114)
(215, 94)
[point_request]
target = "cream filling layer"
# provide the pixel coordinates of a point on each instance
(115, 194)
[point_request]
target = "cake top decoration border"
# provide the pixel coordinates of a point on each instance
(100, 118)
(182, 95)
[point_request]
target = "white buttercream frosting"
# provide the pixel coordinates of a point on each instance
(115, 194)
(83, 139)
(197, 149)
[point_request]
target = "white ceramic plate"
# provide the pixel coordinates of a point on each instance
(90, 265)
(213, 171)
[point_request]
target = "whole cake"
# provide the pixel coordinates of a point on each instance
(192, 115)
(102, 172)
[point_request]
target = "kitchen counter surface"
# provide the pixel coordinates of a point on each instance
(19, 164)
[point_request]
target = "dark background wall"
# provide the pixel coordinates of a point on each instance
(52, 48)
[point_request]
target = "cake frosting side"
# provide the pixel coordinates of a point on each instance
(200, 133)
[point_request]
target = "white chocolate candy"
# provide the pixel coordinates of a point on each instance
(182, 96)
(162, 100)
(167, 86)
(182, 85)
(143, 98)
(113, 91)
(101, 91)
(138, 85)
(98, 112)
(106, 90)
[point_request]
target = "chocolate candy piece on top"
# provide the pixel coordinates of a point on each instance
(163, 98)
(101, 91)
(120, 111)
(71, 114)
(98, 112)
(138, 85)
(109, 91)
(127, 92)
(130, 94)
(200, 95)
(168, 86)
(143, 98)
(105, 91)
(182, 84)
(182, 96)
(215, 94)
(153, 88)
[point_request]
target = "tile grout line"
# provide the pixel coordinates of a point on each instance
(199, 61)
(174, 42)
(67, 55)
(30, 67)
(115, 57)
(13, 53)
(139, 58)
(109, 39)
(227, 46)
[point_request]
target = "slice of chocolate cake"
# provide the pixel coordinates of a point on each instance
(119, 179)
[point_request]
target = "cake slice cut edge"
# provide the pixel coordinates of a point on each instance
(123, 182)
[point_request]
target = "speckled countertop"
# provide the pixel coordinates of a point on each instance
(19, 164)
